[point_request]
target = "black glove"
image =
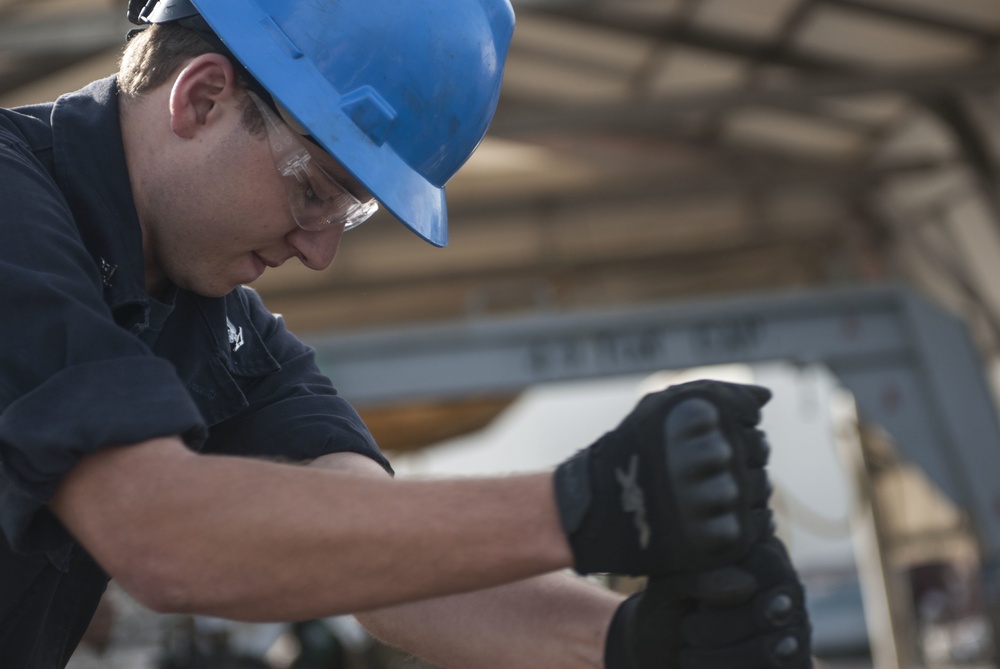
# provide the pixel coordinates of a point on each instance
(678, 485)
(750, 616)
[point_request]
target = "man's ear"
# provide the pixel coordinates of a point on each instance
(201, 92)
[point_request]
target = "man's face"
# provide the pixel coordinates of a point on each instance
(225, 216)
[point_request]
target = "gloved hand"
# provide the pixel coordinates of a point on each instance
(750, 616)
(678, 485)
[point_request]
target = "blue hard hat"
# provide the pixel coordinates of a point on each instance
(400, 92)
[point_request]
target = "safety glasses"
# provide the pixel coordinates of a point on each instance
(317, 199)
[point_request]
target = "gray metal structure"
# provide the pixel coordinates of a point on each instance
(911, 366)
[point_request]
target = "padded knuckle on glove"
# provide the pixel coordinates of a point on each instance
(773, 610)
(788, 649)
(778, 608)
(692, 419)
(695, 459)
(784, 649)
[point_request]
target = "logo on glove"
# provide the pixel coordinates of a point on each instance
(634, 499)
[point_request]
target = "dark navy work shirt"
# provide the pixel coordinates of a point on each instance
(88, 361)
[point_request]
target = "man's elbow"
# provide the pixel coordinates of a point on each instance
(158, 583)
(113, 503)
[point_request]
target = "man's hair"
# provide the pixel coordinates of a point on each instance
(152, 56)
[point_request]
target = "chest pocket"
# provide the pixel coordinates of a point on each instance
(216, 351)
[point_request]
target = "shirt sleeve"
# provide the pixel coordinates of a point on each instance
(71, 380)
(295, 411)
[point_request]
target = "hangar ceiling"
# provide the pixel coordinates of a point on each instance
(648, 150)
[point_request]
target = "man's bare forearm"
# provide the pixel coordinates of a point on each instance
(555, 621)
(558, 621)
(255, 540)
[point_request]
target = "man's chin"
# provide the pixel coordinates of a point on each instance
(211, 288)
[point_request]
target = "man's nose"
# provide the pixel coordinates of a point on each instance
(316, 248)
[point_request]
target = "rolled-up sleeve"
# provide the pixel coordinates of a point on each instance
(293, 412)
(73, 413)
(71, 380)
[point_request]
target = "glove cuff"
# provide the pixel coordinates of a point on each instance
(573, 494)
(616, 648)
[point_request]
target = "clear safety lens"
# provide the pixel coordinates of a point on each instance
(317, 199)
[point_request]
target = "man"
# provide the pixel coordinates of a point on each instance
(159, 426)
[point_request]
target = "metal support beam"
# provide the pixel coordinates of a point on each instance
(677, 32)
(652, 114)
(775, 176)
(922, 19)
(955, 112)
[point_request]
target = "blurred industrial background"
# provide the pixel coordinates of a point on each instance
(667, 184)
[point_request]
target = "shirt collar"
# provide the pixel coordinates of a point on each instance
(90, 167)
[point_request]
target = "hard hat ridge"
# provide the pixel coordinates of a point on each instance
(159, 11)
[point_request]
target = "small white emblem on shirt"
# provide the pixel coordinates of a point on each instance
(107, 272)
(235, 336)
